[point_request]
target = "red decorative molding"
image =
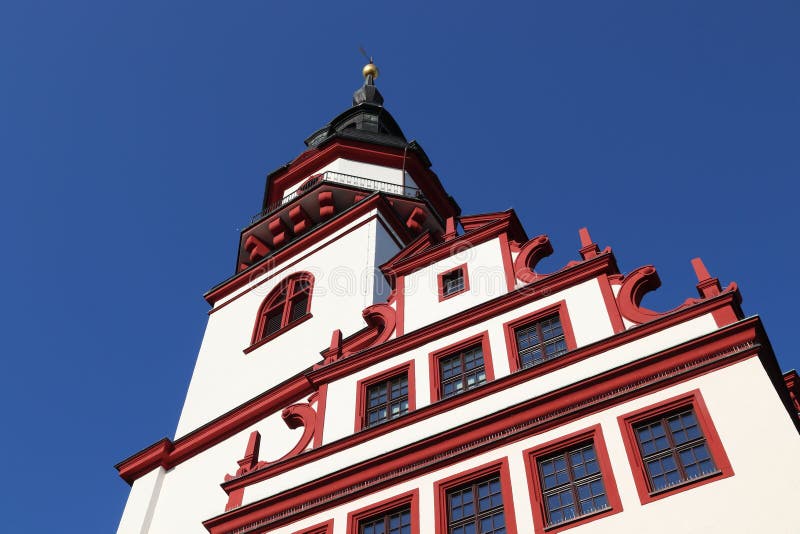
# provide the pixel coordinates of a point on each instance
(481, 339)
(694, 400)
(294, 416)
(301, 221)
(510, 327)
(257, 338)
(531, 254)
(589, 248)
(508, 263)
(406, 368)
(280, 232)
(256, 248)
(678, 364)
(440, 282)
(612, 308)
(415, 220)
(410, 499)
(645, 279)
(792, 381)
(441, 487)
(326, 206)
(505, 222)
(381, 320)
(595, 436)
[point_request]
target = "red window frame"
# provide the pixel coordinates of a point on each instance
(510, 328)
(410, 499)
(481, 339)
(440, 282)
(442, 487)
(276, 300)
(532, 456)
(691, 400)
(363, 386)
(322, 528)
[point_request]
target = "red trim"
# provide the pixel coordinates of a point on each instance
(337, 223)
(435, 356)
(407, 499)
(652, 373)
(508, 263)
(322, 528)
(440, 281)
(287, 284)
(511, 342)
(691, 399)
(530, 255)
(532, 455)
(506, 222)
(400, 292)
(406, 368)
(313, 161)
(322, 402)
(792, 382)
(441, 487)
(267, 339)
(610, 301)
(380, 319)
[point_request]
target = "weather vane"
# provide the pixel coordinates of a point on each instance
(369, 69)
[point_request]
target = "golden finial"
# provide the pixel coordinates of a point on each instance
(370, 70)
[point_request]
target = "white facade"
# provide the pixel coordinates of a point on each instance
(394, 292)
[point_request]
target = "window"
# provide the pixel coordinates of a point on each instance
(453, 282)
(392, 522)
(461, 367)
(287, 305)
(398, 515)
(571, 481)
(673, 446)
(476, 502)
(385, 396)
(539, 337)
(540, 341)
(476, 507)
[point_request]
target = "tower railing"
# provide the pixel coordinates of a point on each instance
(359, 182)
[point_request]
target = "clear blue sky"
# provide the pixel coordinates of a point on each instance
(135, 137)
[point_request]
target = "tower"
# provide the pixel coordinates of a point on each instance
(381, 363)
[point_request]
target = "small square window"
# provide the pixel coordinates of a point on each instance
(453, 282)
(673, 446)
(386, 400)
(461, 367)
(539, 338)
(385, 396)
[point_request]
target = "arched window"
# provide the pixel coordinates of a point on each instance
(287, 304)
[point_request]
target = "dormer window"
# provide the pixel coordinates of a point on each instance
(286, 306)
(453, 282)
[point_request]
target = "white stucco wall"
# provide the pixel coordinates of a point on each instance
(343, 267)
(487, 280)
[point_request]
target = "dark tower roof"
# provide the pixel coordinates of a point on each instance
(367, 120)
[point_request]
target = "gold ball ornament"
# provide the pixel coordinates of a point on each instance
(370, 70)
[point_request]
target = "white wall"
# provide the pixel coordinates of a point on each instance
(486, 281)
(362, 170)
(224, 377)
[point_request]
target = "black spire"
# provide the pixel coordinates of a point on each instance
(366, 121)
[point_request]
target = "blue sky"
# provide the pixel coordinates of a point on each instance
(135, 138)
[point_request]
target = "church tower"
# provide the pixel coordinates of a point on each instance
(380, 363)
